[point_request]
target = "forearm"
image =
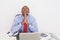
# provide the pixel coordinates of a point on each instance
(33, 28)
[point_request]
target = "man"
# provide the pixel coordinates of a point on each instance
(21, 20)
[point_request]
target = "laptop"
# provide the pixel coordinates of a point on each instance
(29, 36)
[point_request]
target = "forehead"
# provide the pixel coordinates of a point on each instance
(25, 7)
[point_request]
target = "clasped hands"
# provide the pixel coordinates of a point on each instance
(25, 20)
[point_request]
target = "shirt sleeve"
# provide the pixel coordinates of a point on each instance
(16, 25)
(33, 25)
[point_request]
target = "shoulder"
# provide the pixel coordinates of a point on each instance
(32, 17)
(18, 14)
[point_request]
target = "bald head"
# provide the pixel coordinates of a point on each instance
(25, 10)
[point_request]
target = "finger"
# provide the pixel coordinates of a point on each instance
(25, 16)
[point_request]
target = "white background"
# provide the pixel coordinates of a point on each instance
(46, 12)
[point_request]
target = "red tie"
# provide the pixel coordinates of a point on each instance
(25, 28)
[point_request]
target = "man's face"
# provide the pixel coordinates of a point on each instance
(25, 10)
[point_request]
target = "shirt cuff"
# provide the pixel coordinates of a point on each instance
(10, 34)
